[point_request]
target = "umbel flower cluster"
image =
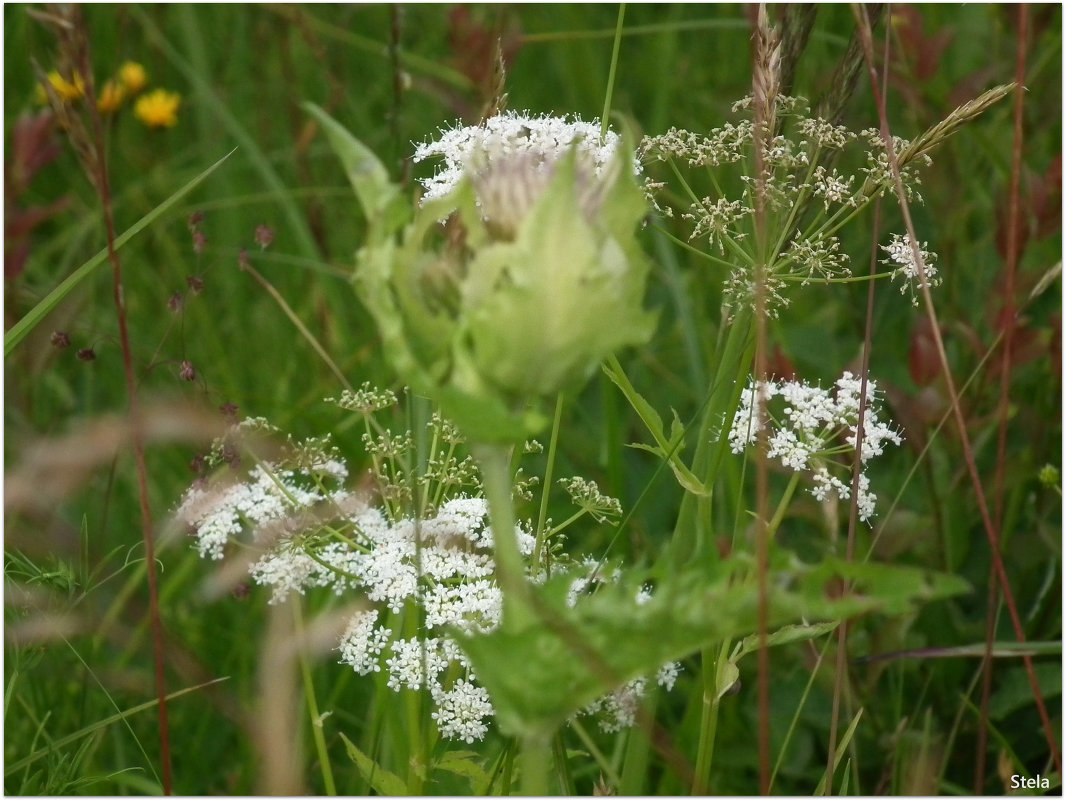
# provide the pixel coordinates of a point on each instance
(806, 200)
(425, 576)
(812, 429)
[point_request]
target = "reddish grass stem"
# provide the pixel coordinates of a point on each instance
(95, 162)
(765, 88)
(991, 530)
(1007, 321)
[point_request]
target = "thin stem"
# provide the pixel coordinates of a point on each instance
(614, 69)
(542, 515)
(312, 706)
(764, 91)
(712, 676)
(95, 163)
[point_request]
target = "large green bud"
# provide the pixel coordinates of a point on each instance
(516, 276)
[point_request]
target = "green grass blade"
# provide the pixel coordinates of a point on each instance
(34, 316)
(62, 742)
(305, 240)
(383, 781)
(842, 748)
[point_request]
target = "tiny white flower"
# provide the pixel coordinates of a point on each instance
(543, 139)
(901, 255)
(461, 711)
(803, 433)
(362, 642)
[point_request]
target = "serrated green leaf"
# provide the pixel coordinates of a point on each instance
(540, 673)
(382, 781)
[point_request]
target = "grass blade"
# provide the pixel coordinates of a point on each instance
(62, 742)
(34, 316)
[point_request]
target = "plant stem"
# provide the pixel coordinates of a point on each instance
(510, 571)
(712, 671)
(495, 461)
(543, 513)
(536, 763)
(312, 706)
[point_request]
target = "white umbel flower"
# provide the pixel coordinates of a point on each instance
(805, 435)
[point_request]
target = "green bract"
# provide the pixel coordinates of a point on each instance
(510, 288)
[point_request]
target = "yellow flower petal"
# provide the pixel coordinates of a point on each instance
(110, 98)
(158, 109)
(132, 77)
(64, 88)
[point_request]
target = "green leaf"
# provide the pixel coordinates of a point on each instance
(382, 781)
(19, 330)
(842, 748)
(463, 763)
(1015, 692)
(726, 679)
(379, 197)
(796, 632)
(540, 673)
(667, 449)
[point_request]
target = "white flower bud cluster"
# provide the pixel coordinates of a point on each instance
(313, 533)
(814, 425)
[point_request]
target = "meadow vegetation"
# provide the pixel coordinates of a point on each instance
(555, 399)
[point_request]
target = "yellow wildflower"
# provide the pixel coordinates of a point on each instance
(64, 88)
(110, 98)
(158, 109)
(132, 77)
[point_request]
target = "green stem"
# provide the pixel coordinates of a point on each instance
(496, 479)
(510, 568)
(413, 707)
(782, 506)
(536, 763)
(613, 70)
(692, 533)
(712, 675)
(542, 515)
(312, 707)
(602, 762)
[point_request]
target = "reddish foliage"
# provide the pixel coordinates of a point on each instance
(922, 357)
(33, 146)
(1041, 209)
(473, 45)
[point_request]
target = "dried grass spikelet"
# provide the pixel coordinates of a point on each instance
(51, 469)
(765, 88)
(766, 72)
(965, 113)
(275, 720)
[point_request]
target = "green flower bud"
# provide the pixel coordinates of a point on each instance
(518, 274)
